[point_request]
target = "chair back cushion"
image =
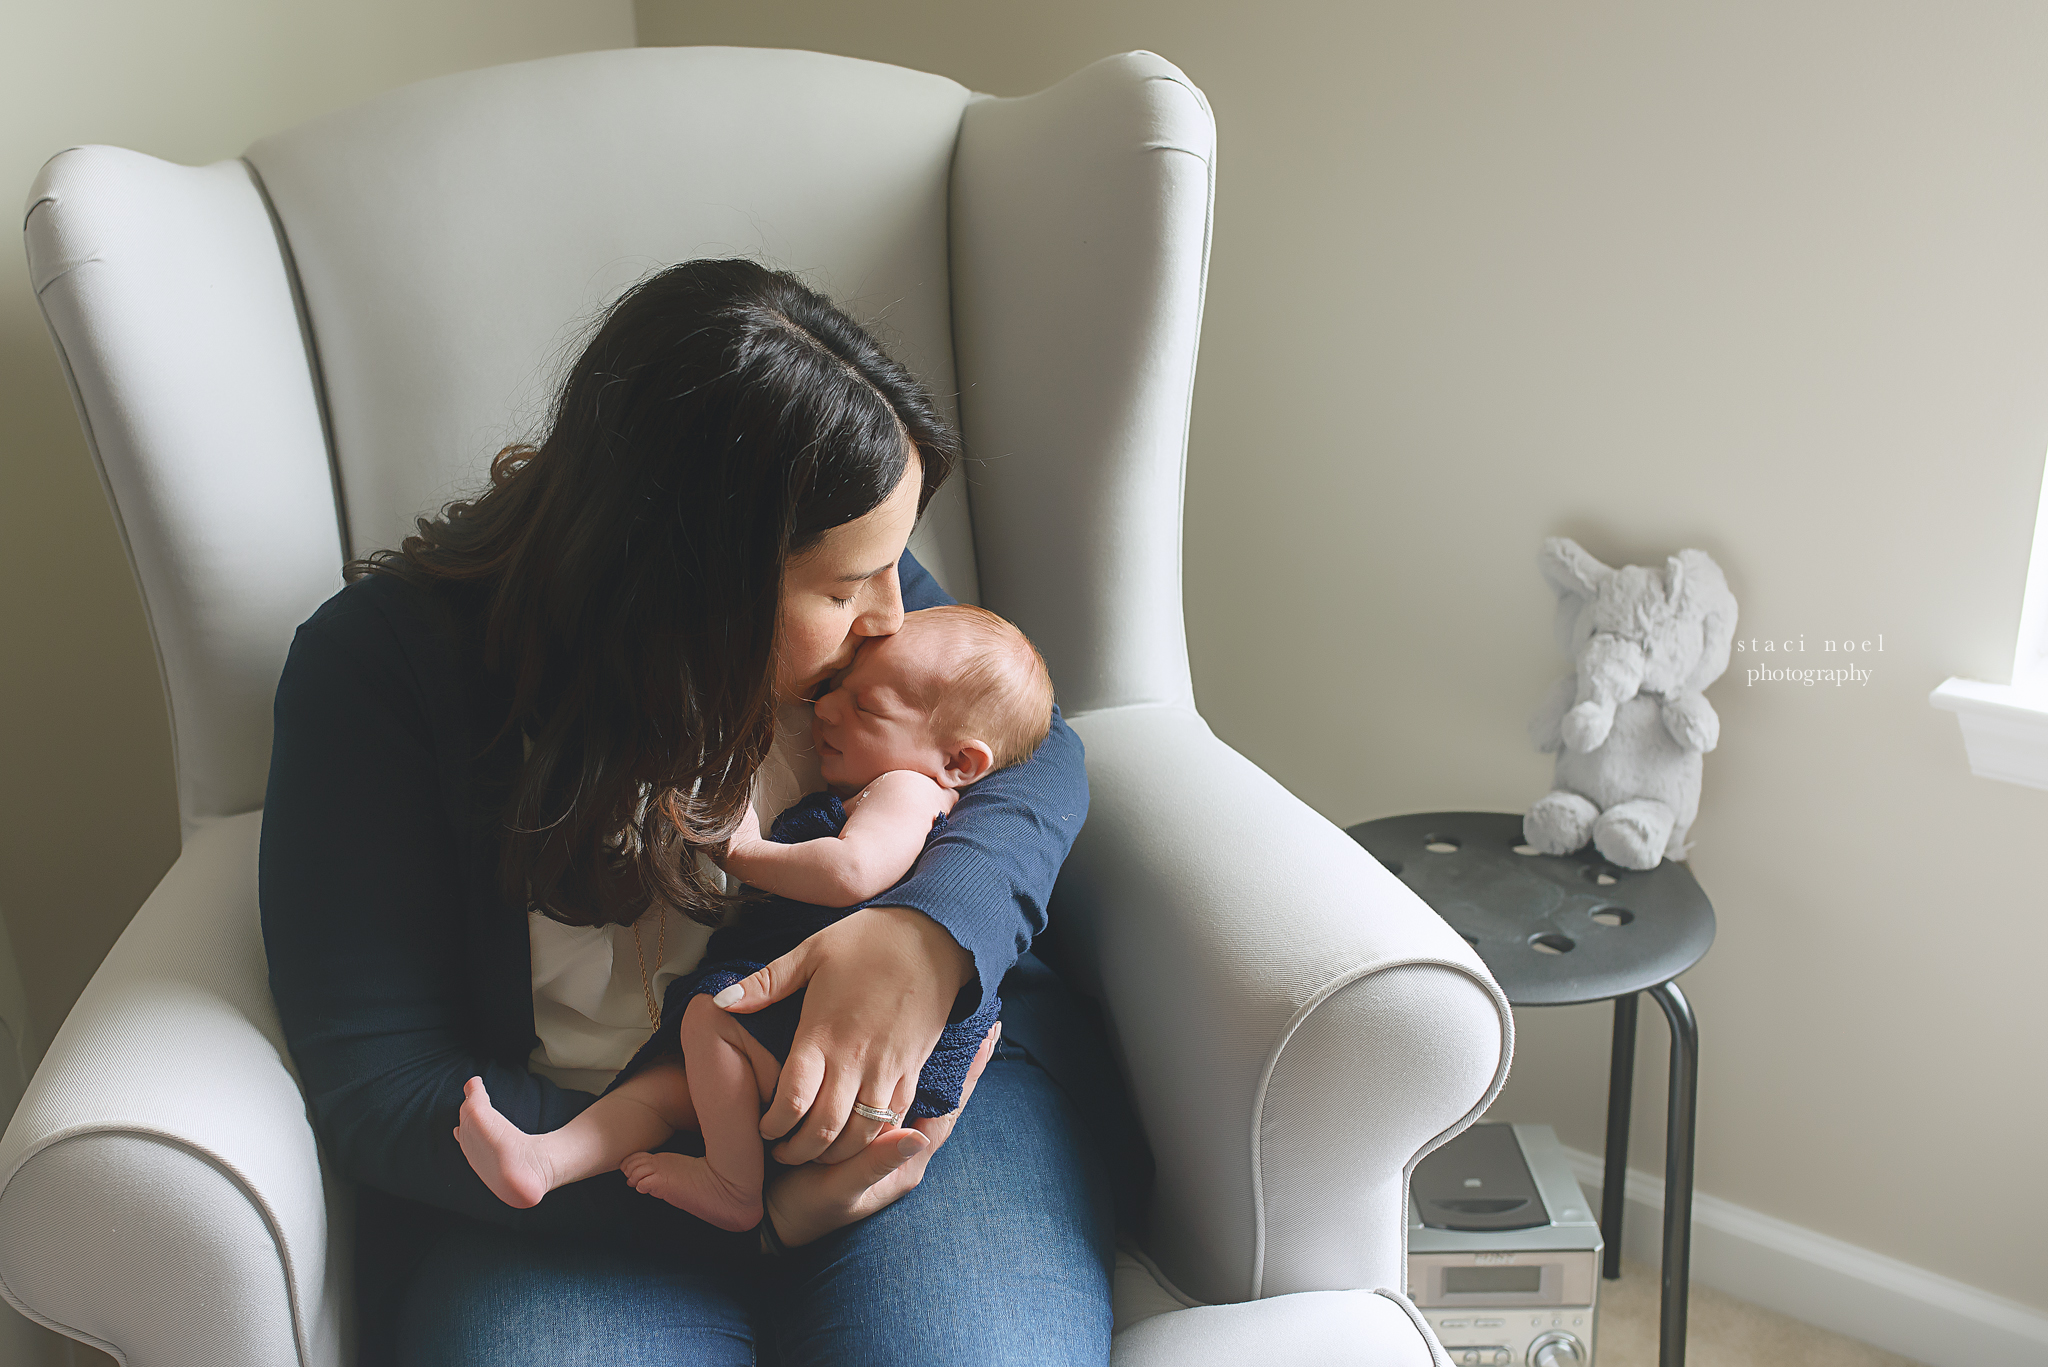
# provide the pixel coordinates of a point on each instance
(455, 239)
(283, 362)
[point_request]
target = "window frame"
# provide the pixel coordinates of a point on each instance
(2005, 726)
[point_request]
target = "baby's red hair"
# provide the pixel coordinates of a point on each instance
(996, 690)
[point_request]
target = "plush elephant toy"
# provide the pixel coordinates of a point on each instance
(1629, 724)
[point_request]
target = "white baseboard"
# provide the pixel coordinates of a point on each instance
(1836, 1285)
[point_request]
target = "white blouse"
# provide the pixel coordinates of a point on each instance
(589, 995)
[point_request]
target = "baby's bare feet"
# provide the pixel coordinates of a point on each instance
(511, 1161)
(690, 1184)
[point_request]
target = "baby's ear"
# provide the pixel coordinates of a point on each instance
(970, 762)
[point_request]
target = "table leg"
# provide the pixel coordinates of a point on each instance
(1621, 1077)
(1680, 1121)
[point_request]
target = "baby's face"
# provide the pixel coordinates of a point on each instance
(877, 716)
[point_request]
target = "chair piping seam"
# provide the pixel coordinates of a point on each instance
(218, 1164)
(1323, 994)
(316, 372)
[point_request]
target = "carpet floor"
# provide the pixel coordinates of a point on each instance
(1720, 1331)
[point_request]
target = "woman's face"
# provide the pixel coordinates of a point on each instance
(842, 591)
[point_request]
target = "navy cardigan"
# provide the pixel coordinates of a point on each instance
(400, 969)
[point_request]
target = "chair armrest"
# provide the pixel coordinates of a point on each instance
(1297, 1026)
(161, 1195)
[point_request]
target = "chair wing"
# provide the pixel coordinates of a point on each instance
(1080, 247)
(170, 303)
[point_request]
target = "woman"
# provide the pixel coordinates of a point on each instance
(501, 755)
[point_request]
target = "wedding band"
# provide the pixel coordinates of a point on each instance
(881, 1113)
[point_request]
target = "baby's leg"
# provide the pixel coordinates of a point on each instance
(731, 1078)
(520, 1168)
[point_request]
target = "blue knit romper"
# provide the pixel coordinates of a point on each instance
(767, 930)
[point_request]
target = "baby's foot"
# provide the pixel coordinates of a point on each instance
(690, 1184)
(511, 1161)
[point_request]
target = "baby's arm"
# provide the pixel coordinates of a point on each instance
(885, 830)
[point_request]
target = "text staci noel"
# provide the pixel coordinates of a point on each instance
(1845, 672)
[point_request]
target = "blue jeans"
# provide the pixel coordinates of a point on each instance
(1001, 1256)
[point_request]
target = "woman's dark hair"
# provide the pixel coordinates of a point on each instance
(723, 418)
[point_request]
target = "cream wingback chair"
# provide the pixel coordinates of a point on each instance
(282, 360)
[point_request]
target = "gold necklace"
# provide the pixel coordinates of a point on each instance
(660, 958)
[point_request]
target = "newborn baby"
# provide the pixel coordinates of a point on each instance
(953, 696)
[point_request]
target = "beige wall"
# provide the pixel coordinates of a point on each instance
(1769, 280)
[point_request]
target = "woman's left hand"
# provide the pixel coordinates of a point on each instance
(804, 1203)
(881, 984)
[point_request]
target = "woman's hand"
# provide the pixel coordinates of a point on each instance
(880, 985)
(808, 1202)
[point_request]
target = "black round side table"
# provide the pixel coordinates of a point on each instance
(1559, 931)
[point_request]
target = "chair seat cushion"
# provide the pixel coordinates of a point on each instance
(1156, 1328)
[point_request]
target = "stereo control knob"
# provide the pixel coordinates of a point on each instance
(1557, 1350)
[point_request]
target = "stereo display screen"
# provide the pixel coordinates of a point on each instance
(1472, 1281)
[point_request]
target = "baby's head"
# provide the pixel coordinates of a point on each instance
(956, 694)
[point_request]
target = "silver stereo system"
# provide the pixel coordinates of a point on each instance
(1503, 1251)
